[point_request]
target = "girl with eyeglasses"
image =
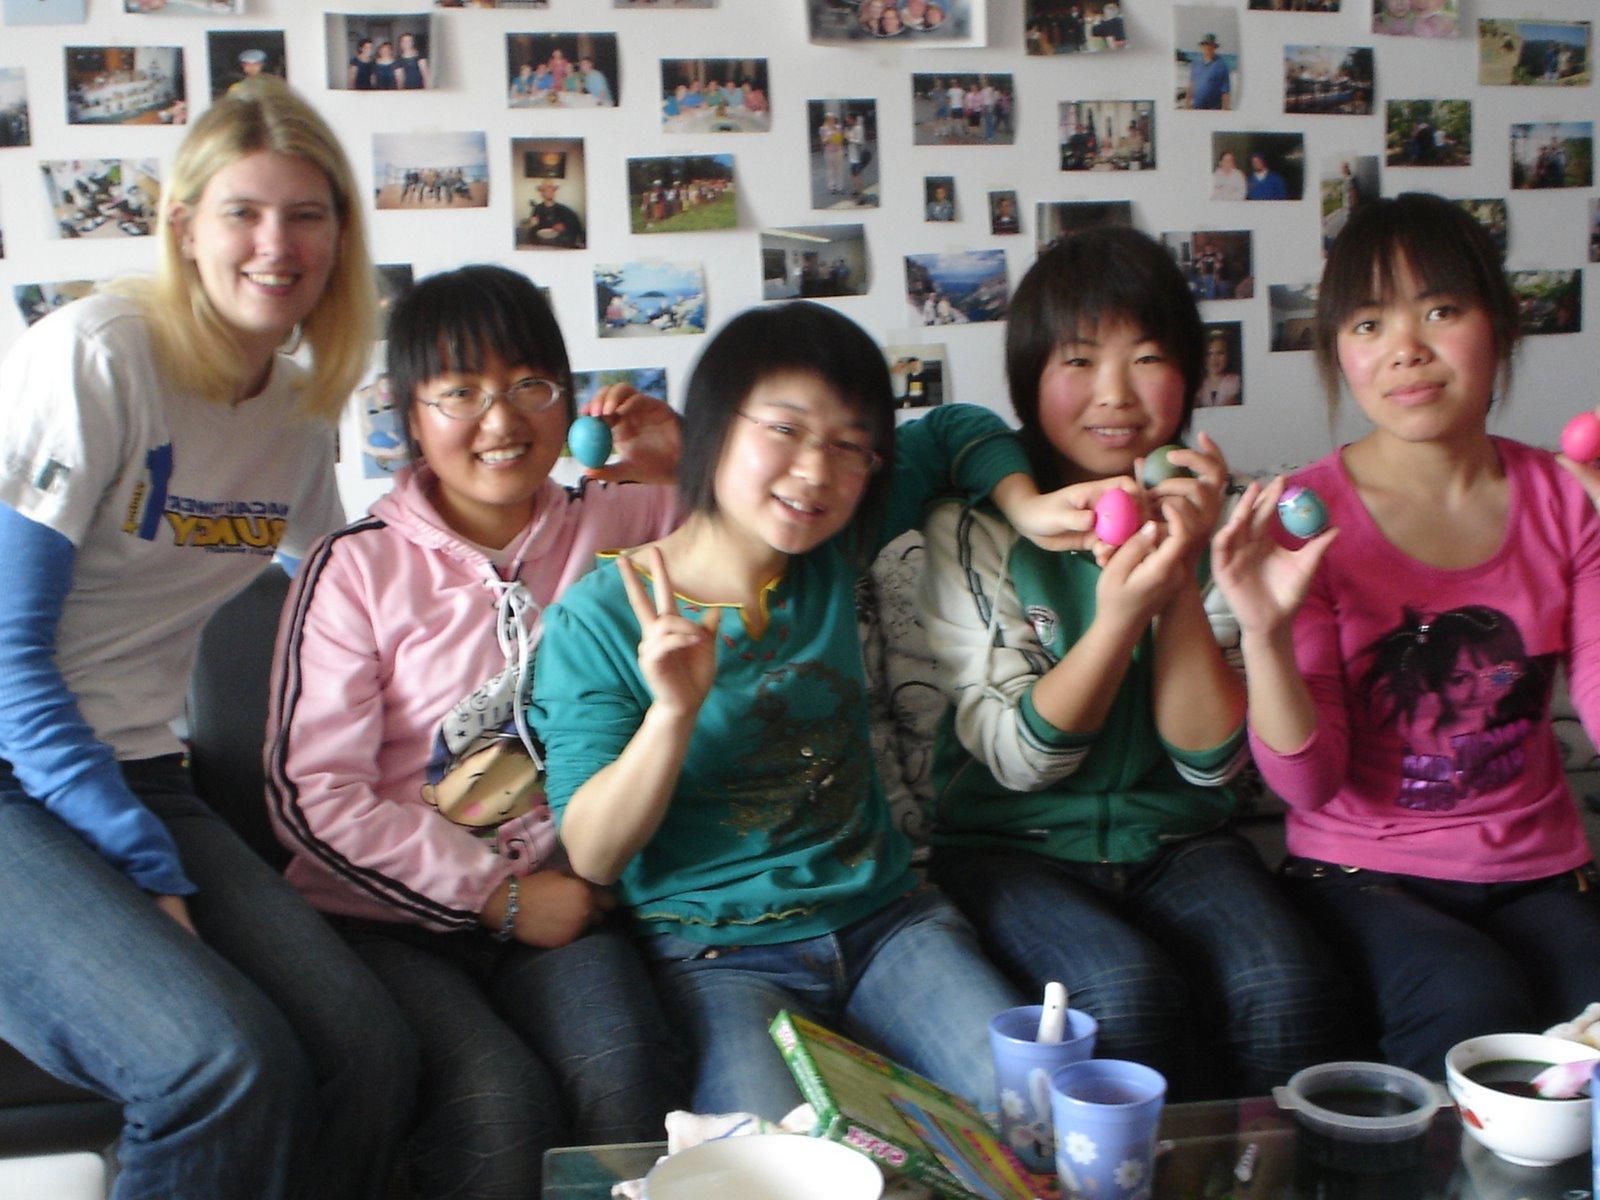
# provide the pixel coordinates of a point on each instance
(1400, 664)
(703, 705)
(402, 775)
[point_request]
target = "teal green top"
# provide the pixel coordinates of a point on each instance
(1000, 613)
(777, 829)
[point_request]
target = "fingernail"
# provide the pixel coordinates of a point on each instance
(1149, 529)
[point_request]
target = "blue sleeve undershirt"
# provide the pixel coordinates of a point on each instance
(55, 754)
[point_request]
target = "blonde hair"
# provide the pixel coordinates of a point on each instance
(197, 349)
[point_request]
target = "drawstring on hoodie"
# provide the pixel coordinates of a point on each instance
(515, 612)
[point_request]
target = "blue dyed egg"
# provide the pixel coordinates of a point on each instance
(1158, 467)
(589, 439)
(1302, 512)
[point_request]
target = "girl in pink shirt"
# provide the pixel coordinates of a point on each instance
(1400, 664)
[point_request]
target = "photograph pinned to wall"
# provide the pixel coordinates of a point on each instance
(1073, 26)
(379, 52)
(586, 385)
(715, 95)
(1057, 218)
(1108, 135)
(1207, 56)
(1348, 181)
(1258, 165)
(35, 301)
(237, 55)
(549, 193)
(963, 109)
(844, 153)
(102, 197)
(43, 12)
(958, 288)
(1216, 262)
(1594, 232)
(125, 85)
(380, 431)
(1428, 133)
(15, 127)
(814, 261)
(183, 8)
(430, 170)
(939, 197)
(1534, 53)
(649, 297)
(1491, 213)
(1417, 18)
(934, 23)
(394, 281)
(1005, 217)
(918, 375)
(562, 70)
(682, 193)
(1548, 301)
(1552, 154)
(1292, 310)
(1310, 6)
(1222, 386)
(1328, 80)
(663, 3)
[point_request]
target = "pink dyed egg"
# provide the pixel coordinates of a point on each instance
(1117, 517)
(1580, 440)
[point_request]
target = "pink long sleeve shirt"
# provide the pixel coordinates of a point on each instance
(1433, 753)
(395, 774)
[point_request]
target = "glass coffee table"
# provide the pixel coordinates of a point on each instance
(1219, 1150)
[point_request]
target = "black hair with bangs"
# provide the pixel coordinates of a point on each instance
(1441, 243)
(799, 337)
(1104, 274)
(448, 323)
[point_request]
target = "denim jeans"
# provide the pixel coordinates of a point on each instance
(1192, 961)
(908, 981)
(260, 1059)
(1442, 961)
(523, 1049)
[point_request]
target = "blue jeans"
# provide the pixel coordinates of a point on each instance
(257, 1060)
(908, 981)
(1441, 961)
(1192, 961)
(523, 1049)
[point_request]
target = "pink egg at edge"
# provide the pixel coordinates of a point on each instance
(1580, 440)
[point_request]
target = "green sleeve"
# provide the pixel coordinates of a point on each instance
(956, 447)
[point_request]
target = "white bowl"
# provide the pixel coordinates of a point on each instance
(1520, 1129)
(766, 1166)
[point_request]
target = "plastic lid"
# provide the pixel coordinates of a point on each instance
(1422, 1096)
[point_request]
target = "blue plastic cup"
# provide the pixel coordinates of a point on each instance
(1594, 1117)
(1022, 1070)
(1106, 1112)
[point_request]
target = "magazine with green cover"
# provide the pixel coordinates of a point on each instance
(860, 1098)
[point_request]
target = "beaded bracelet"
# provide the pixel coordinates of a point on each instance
(508, 919)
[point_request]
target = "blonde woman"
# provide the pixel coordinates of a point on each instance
(157, 446)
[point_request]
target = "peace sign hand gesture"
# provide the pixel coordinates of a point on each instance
(678, 656)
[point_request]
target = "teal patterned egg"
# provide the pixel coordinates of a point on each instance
(1302, 512)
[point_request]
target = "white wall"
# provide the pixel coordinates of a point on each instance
(1283, 419)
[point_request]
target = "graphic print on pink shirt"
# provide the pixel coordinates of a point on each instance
(1464, 694)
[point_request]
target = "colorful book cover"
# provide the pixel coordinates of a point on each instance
(855, 1092)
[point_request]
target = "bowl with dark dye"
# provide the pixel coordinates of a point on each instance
(1490, 1080)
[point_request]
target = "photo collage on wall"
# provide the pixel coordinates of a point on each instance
(562, 84)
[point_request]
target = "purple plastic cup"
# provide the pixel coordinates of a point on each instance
(1022, 1070)
(1106, 1112)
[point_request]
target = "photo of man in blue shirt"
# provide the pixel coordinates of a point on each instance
(1209, 85)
